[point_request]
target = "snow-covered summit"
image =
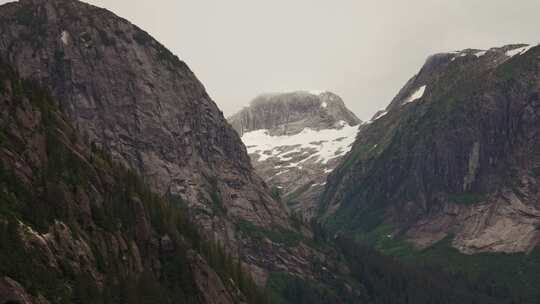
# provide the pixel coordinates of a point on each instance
(295, 140)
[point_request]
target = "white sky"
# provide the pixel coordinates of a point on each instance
(362, 50)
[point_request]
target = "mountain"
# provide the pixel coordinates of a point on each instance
(452, 162)
(129, 95)
(294, 141)
(77, 227)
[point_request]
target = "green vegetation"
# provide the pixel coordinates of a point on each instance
(288, 289)
(467, 198)
(388, 280)
(384, 239)
(519, 273)
(511, 275)
(216, 202)
(22, 264)
(276, 235)
(275, 192)
(514, 70)
(291, 199)
(106, 39)
(536, 172)
(25, 16)
(142, 37)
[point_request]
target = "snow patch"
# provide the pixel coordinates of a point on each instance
(281, 172)
(324, 105)
(419, 93)
(265, 146)
(460, 54)
(64, 37)
(316, 92)
(381, 114)
(519, 51)
(480, 53)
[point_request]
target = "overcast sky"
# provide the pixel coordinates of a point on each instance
(362, 50)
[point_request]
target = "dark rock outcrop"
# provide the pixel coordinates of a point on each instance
(290, 113)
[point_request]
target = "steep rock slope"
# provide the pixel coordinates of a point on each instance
(129, 94)
(75, 227)
(294, 140)
(456, 154)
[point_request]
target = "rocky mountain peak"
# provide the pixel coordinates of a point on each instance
(436, 65)
(294, 140)
(289, 113)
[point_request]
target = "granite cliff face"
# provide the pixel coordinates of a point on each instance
(455, 154)
(129, 94)
(294, 141)
(75, 226)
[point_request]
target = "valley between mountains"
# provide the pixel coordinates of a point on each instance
(121, 181)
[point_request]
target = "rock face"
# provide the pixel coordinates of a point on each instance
(294, 141)
(74, 225)
(129, 94)
(454, 154)
(11, 290)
